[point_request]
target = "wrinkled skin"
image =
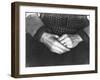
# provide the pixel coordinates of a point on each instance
(61, 44)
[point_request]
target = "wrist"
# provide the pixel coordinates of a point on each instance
(43, 37)
(79, 38)
(84, 36)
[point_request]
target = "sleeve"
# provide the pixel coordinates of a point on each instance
(35, 27)
(84, 36)
(40, 31)
(84, 33)
(33, 23)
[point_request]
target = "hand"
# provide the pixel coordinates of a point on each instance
(70, 41)
(51, 41)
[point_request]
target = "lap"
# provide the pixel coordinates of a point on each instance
(38, 54)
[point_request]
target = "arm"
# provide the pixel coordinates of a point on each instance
(39, 32)
(33, 23)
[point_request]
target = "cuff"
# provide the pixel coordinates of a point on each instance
(84, 36)
(40, 32)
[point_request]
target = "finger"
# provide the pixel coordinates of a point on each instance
(55, 36)
(68, 46)
(67, 42)
(56, 49)
(63, 37)
(59, 45)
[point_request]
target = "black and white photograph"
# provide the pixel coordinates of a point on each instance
(52, 39)
(56, 39)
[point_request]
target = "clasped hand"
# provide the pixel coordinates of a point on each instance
(60, 44)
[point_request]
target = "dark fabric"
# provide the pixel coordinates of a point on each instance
(39, 55)
(63, 23)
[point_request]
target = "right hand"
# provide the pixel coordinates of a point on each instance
(51, 41)
(70, 41)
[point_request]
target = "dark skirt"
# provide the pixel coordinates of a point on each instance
(37, 54)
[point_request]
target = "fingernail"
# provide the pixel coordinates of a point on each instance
(70, 46)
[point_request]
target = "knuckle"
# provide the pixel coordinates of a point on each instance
(52, 47)
(65, 35)
(70, 45)
(54, 43)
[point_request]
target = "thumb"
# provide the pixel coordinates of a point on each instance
(55, 36)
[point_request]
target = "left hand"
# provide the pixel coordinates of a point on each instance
(70, 41)
(51, 41)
